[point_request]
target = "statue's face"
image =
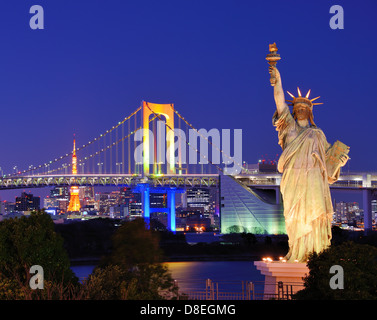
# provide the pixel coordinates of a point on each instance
(302, 111)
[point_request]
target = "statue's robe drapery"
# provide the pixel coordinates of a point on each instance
(308, 210)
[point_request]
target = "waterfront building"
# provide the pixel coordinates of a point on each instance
(208, 200)
(192, 219)
(242, 208)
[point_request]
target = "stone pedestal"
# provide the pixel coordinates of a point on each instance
(289, 275)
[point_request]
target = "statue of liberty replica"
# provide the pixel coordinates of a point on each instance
(308, 164)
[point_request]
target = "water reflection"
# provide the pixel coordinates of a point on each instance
(192, 275)
(229, 274)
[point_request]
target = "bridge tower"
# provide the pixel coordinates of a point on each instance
(166, 110)
(74, 200)
(161, 156)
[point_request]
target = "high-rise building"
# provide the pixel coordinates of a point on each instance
(59, 197)
(60, 193)
(374, 209)
(348, 213)
(107, 200)
(27, 202)
(208, 200)
(86, 195)
(199, 198)
(132, 201)
(158, 200)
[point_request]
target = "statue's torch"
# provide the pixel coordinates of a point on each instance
(272, 59)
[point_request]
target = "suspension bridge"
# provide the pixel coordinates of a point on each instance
(135, 147)
(155, 149)
(147, 151)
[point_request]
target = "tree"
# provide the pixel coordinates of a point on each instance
(359, 265)
(249, 238)
(135, 265)
(31, 240)
(108, 283)
(235, 229)
(133, 243)
(87, 238)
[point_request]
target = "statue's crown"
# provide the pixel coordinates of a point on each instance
(301, 99)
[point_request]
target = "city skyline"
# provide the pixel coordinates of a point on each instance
(195, 202)
(198, 207)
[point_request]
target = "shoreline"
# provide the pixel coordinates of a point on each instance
(176, 258)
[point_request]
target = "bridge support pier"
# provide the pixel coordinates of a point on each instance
(145, 189)
(171, 212)
(367, 206)
(145, 202)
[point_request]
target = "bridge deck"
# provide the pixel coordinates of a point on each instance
(190, 180)
(348, 181)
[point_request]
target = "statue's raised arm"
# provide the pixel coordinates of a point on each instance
(275, 80)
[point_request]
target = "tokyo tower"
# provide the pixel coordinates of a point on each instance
(74, 201)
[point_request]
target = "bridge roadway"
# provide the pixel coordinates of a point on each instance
(364, 182)
(268, 180)
(39, 181)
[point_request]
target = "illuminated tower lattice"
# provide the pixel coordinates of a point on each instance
(74, 200)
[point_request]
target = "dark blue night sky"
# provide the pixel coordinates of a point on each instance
(95, 62)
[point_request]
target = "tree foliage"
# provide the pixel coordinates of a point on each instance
(32, 240)
(133, 270)
(133, 243)
(359, 263)
(90, 238)
(145, 282)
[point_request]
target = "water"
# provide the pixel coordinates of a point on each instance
(229, 275)
(192, 275)
(82, 272)
(214, 270)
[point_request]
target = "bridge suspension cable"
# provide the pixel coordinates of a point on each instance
(105, 145)
(204, 137)
(158, 116)
(34, 168)
(103, 150)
